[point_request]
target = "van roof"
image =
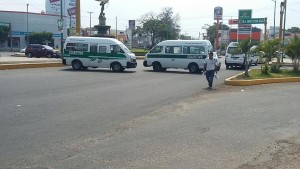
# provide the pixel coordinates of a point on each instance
(93, 40)
(185, 42)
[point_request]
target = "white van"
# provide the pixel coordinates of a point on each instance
(236, 59)
(183, 54)
(96, 52)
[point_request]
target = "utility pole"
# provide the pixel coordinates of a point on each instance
(116, 27)
(265, 35)
(90, 22)
(280, 29)
(284, 26)
(274, 18)
(62, 28)
(27, 27)
(77, 17)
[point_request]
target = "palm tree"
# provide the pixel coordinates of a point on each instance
(293, 51)
(244, 46)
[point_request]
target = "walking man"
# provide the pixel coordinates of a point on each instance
(210, 65)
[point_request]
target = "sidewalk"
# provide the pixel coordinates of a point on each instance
(15, 60)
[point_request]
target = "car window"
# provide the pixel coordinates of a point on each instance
(173, 49)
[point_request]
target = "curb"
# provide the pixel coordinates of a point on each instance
(29, 65)
(228, 81)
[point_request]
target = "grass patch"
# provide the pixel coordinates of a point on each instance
(137, 50)
(256, 74)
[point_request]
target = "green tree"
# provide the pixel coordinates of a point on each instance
(3, 33)
(293, 51)
(244, 46)
(294, 30)
(40, 37)
(212, 30)
(161, 27)
(270, 48)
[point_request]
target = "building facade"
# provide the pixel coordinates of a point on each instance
(23, 23)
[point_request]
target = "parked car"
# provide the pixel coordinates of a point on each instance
(22, 50)
(37, 50)
(216, 57)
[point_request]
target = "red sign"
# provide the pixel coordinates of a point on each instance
(233, 21)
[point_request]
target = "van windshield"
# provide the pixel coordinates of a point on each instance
(156, 49)
(125, 49)
(232, 50)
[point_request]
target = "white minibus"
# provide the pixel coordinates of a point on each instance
(182, 54)
(232, 59)
(97, 52)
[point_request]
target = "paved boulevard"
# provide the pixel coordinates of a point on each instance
(59, 118)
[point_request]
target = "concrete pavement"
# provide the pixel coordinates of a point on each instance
(13, 60)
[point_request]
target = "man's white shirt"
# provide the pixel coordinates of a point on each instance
(210, 64)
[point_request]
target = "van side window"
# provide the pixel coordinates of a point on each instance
(193, 50)
(93, 48)
(102, 49)
(116, 49)
(157, 49)
(173, 49)
(77, 47)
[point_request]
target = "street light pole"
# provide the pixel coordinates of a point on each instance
(274, 17)
(90, 22)
(62, 29)
(27, 27)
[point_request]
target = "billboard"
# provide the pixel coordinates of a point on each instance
(132, 24)
(218, 13)
(69, 9)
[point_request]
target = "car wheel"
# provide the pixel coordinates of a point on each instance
(227, 66)
(29, 55)
(157, 67)
(117, 67)
(193, 68)
(76, 65)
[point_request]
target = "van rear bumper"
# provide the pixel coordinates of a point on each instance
(64, 62)
(131, 65)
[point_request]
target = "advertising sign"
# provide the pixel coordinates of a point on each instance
(132, 24)
(233, 21)
(218, 13)
(53, 7)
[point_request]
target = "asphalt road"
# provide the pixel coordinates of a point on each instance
(60, 118)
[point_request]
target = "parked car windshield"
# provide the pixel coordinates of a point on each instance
(48, 47)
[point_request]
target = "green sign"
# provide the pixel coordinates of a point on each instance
(252, 21)
(245, 14)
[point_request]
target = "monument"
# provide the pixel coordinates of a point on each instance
(102, 27)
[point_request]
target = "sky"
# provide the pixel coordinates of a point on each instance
(194, 14)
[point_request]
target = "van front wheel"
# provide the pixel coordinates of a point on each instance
(157, 67)
(117, 67)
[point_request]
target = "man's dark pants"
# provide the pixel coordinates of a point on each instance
(210, 77)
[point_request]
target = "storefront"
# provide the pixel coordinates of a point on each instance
(23, 23)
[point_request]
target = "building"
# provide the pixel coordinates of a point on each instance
(255, 35)
(37, 22)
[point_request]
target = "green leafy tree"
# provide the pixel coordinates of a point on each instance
(293, 51)
(40, 37)
(161, 27)
(270, 48)
(294, 30)
(3, 33)
(212, 30)
(244, 46)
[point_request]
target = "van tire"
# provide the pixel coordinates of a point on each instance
(193, 68)
(157, 67)
(117, 67)
(76, 65)
(227, 66)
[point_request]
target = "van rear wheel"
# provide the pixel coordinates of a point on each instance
(193, 68)
(76, 65)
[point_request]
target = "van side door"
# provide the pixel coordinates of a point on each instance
(173, 57)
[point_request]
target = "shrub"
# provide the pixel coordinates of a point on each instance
(275, 68)
(265, 68)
